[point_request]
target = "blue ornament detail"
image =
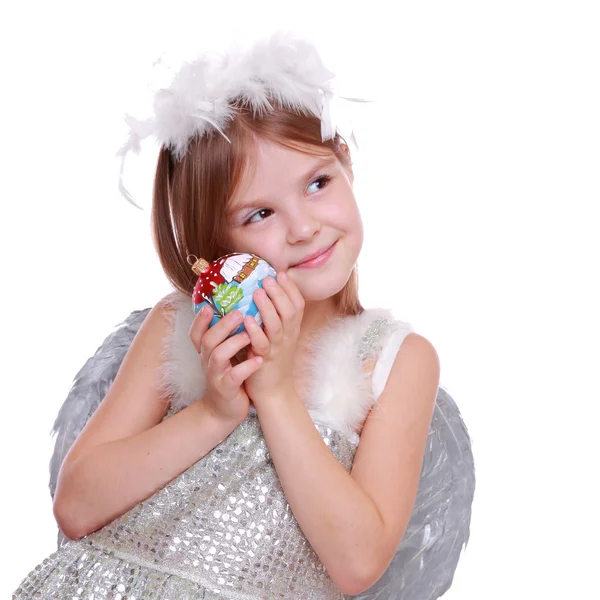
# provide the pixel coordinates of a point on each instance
(246, 304)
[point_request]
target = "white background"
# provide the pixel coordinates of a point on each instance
(478, 181)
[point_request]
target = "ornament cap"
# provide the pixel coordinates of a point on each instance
(200, 265)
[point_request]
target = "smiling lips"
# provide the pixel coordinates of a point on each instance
(316, 259)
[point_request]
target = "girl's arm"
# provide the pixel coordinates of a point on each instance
(108, 480)
(355, 522)
(125, 453)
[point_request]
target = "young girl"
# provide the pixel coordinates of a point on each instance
(230, 467)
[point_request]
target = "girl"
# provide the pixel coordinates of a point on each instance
(230, 467)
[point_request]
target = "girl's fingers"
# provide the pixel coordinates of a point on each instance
(280, 299)
(270, 318)
(286, 283)
(199, 327)
(258, 339)
(219, 332)
(224, 352)
(238, 374)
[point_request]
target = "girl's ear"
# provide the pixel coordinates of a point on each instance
(345, 148)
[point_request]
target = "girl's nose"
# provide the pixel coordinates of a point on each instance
(302, 226)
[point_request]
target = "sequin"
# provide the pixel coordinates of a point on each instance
(368, 343)
(222, 529)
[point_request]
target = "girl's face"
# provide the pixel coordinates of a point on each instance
(295, 205)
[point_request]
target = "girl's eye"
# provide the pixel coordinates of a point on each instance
(323, 180)
(259, 212)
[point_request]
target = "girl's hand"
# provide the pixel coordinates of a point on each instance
(225, 394)
(281, 307)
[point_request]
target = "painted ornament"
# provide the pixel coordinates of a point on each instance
(228, 283)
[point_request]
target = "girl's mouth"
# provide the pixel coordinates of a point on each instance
(318, 260)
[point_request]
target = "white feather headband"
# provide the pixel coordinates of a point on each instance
(205, 93)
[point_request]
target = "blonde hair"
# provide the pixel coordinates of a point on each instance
(191, 195)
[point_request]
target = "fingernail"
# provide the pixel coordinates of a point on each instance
(268, 281)
(282, 276)
(205, 311)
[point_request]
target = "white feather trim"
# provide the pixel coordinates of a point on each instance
(206, 94)
(182, 377)
(339, 392)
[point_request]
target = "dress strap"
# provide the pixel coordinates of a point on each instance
(396, 333)
(370, 341)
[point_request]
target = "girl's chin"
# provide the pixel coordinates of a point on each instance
(317, 292)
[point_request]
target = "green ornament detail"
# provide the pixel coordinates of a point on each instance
(227, 295)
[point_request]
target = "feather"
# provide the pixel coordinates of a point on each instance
(343, 403)
(182, 378)
(122, 187)
(214, 124)
(139, 130)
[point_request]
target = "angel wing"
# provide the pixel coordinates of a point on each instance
(89, 388)
(438, 530)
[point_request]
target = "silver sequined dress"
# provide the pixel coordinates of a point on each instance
(222, 529)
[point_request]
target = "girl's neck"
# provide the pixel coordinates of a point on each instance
(316, 315)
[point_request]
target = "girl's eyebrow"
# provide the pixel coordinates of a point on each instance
(321, 164)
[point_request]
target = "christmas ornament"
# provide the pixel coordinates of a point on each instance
(228, 283)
